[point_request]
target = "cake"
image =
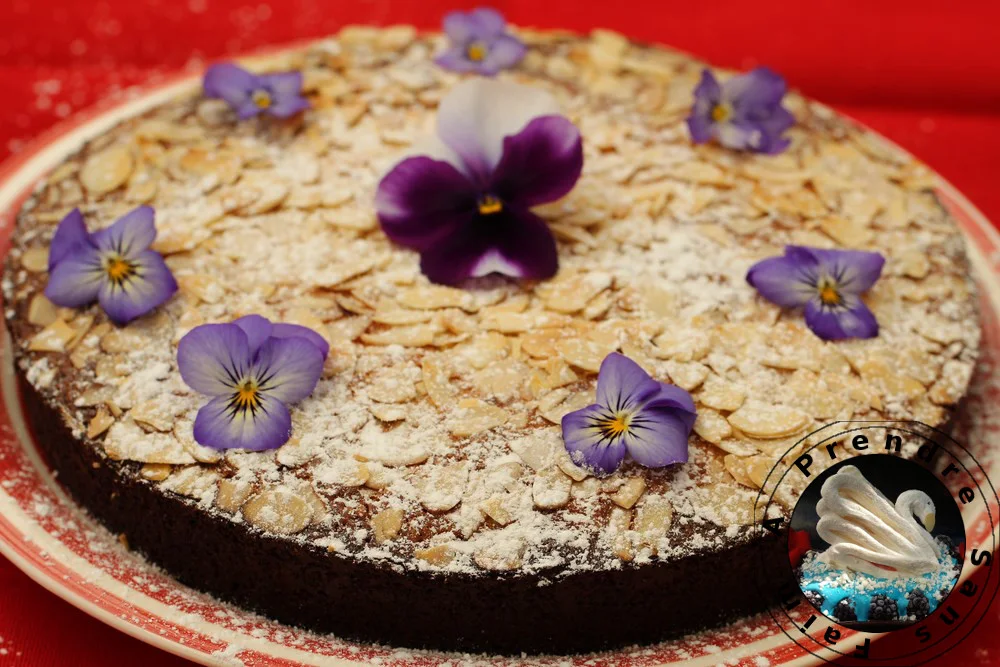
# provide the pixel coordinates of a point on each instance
(426, 498)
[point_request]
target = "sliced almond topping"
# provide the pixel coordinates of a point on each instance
(392, 385)
(475, 416)
(387, 413)
(551, 489)
(107, 170)
(653, 519)
(232, 493)
(565, 463)
(155, 472)
(572, 293)
(628, 494)
(398, 316)
(619, 523)
(712, 426)
(53, 338)
(768, 421)
(687, 375)
(100, 423)
(538, 450)
(584, 353)
(36, 259)
(439, 555)
(441, 487)
(125, 441)
(521, 322)
(432, 297)
(386, 524)
(721, 395)
(41, 311)
(500, 555)
(378, 476)
(285, 510)
(500, 508)
(417, 335)
(437, 382)
(847, 233)
(501, 378)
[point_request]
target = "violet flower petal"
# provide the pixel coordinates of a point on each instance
(220, 426)
(212, 358)
(423, 203)
(787, 281)
(257, 328)
(282, 330)
(586, 444)
(513, 243)
(130, 234)
(77, 278)
(658, 436)
(455, 59)
(478, 113)
(540, 164)
(286, 92)
(230, 82)
(622, 384)
(855, 270)
(760, 88)
(487, 22)
(505, 52)
(460, 27)
(151, 285)
(852, 319)
(72, 230)
(672, 397)
(288, 368)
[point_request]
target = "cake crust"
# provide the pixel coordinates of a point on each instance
(428, 465)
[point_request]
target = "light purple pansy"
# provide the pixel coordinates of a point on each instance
(464, 201)
(743, 113)
(253, 369)
(634, 414)
(249, 94)
(828, 283)
(112, 266)
(479, 43)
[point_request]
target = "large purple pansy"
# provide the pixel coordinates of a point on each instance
(464, 201)
(479, 43)
(112, 266)
(828, 283)
(744, 113)
(249, 94)
(634, 414)
(253, 370)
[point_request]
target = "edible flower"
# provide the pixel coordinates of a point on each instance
(253, 369)
(829, 283)
(112, 266)
(479, 43)
(744, 113)
(250, 94)
(634, 414)
(464, 201)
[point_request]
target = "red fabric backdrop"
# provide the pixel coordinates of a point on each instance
(925, 74)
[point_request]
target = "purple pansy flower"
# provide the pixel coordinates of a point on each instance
(479, 43)
(464, 203)
(253, 370)
(829, 283)
(112, 266)
(249, 94)
(744, 113)
(634, 413)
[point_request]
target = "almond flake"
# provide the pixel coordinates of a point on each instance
(231, 494)
(584, 353)
(439, 555)
(107, 170)
(100, 423)
(500, 508)
(36, 259)
(570, 294)
(652, 520)
(433, 297)
(721, 395)
(53, 338)
(475, 416)
(387, 413)
(41, 311)
(416, 335)
(629, 493)
(768, 421)
(441, 487)
(551, 489)
(711, 426)
(687, 375)
(284, 510)
(386, 524)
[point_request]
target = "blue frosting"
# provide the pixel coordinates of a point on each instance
(836, 585)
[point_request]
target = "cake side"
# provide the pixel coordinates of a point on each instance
(432, 444)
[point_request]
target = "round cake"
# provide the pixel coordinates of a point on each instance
(425, 497)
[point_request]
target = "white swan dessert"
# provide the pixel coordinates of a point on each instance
(869, 534)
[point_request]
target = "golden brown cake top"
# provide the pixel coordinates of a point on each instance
(433, 439)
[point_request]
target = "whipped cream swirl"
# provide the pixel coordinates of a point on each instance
(869, 534)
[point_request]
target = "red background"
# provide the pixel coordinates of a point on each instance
(925, 74)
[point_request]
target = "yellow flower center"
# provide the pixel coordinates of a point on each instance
(828, 293)
(118, 269)
(247, 396)
(615, 426)
(489, 205)
(722, 112)
(477, 51)
(261, 98)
